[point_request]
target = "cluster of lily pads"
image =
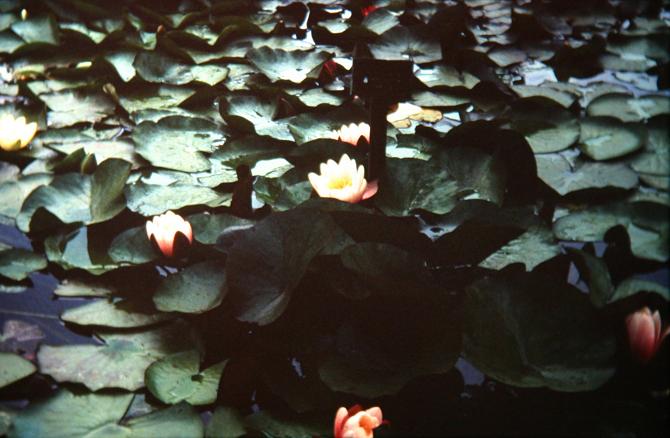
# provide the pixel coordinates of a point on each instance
(534, 146)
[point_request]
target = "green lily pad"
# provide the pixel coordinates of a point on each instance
(549, 90)
(407, 44)
(67, 414)
(178, 143)
(252, 114)
(42, 30)
(628, 108)
(150, 199)
(226, 422)
(133, 246)
(154, 98)
(83, 288)
(14, 193)
(559, 174)
(280, 65)
(177, 378)
(632, 286)
(178, 421)
(120, 362)
(533, 247)
(446, 76)
(196, 289)
(208, 227)
(388, 341)
(18, 263)
(69, 107)
(75, 197)
(645, 222)
(594, 272)
(114, 313)
(547, 127)
(285, 192)
(122, 62)
(13, 368)
(79, 250)
(265, 423)
(266, 262)
(510, 336)
(249, 149)
(655, 159)
(604, 138)
(164, 69)
(312, 126)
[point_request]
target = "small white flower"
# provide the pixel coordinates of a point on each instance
(344, 181)
(15, 133)
(352, 133)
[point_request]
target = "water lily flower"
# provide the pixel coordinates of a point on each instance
(644, 334)
(15, 133)
(356, 422)
(352, 133)
(164, 229)
(344, 181)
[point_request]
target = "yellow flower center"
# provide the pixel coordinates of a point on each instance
(339, 182)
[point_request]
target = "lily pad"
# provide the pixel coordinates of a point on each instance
(252, 114)
(511, 337)
(267, 261)
(196, 289)
(69, 107)
(565, 177)
(407, 44)
(604, 138)
(164, 69)
(280, 65)
(645, 222)
(208, 227)
(178, 142)
(547, 127)
(133, 246)
(226, 422)
(14, 193)
(177, 378)
(629, 108)
(177, 421)
(13, 368)
(120, 362)
(114, 313)
(150, 199)
(18, 263)
(533, 247)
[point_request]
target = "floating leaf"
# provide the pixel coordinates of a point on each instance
(252, 114)
(547, 127)
(628, 108)
(178, 421)
(196, 289)
(645, 222)
(604, 138)
(18, 263)
(511, 336)
(120, 362)
(13, 368)
(164, 69)
(407, 44)
(177, 378)
(208, 227)
(280, 65)
(69, 107)
(114, 313)
(225, 423)
(151, 200)
(133, 246)
(533, 247)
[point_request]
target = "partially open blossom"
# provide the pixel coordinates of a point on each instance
(352, 133)
(356, 422)
(164, 229)
(15, 133)
(344, 181)
(644, 334)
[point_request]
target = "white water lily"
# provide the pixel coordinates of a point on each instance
(15, 133)
(164, 229)
(344, 181)
(352, 133)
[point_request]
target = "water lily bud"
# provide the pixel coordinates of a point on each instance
(24, 14)
(344, 181)
(644, 334)
(356, 423)
(164, 229)
(15, 133)
(352, 133)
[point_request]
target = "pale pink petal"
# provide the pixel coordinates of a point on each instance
(641, 337)
(340, 418)
(370, 190)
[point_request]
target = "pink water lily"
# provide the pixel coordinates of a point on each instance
(164, 229)
(644, 334)
(344, 181)
(15, 133)
(352, 133)
(356, 422)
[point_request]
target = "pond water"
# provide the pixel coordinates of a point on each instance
(188, 246)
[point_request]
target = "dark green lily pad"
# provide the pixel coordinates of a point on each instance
(69, 107)
(252, 114)
(40, 29)
(133, 246)
(267, 261)
(67, 414)
(446, 76)
(14, 193)
(629, 108)
(18, 263)
(565, 177)
(164, 69)
(407, 44)
(114, 313)
(78, 249)
(511, 337)
(604, 138)
(150, 199)
(177, 378)
(178, 143)
(154, 98)
(177, 421)
(13, 368)
(645, 222)
(120, 362)
(284, 192)
(280, 65)
(196, 289)
(226, 422)
(533, 247)
(547, 127)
